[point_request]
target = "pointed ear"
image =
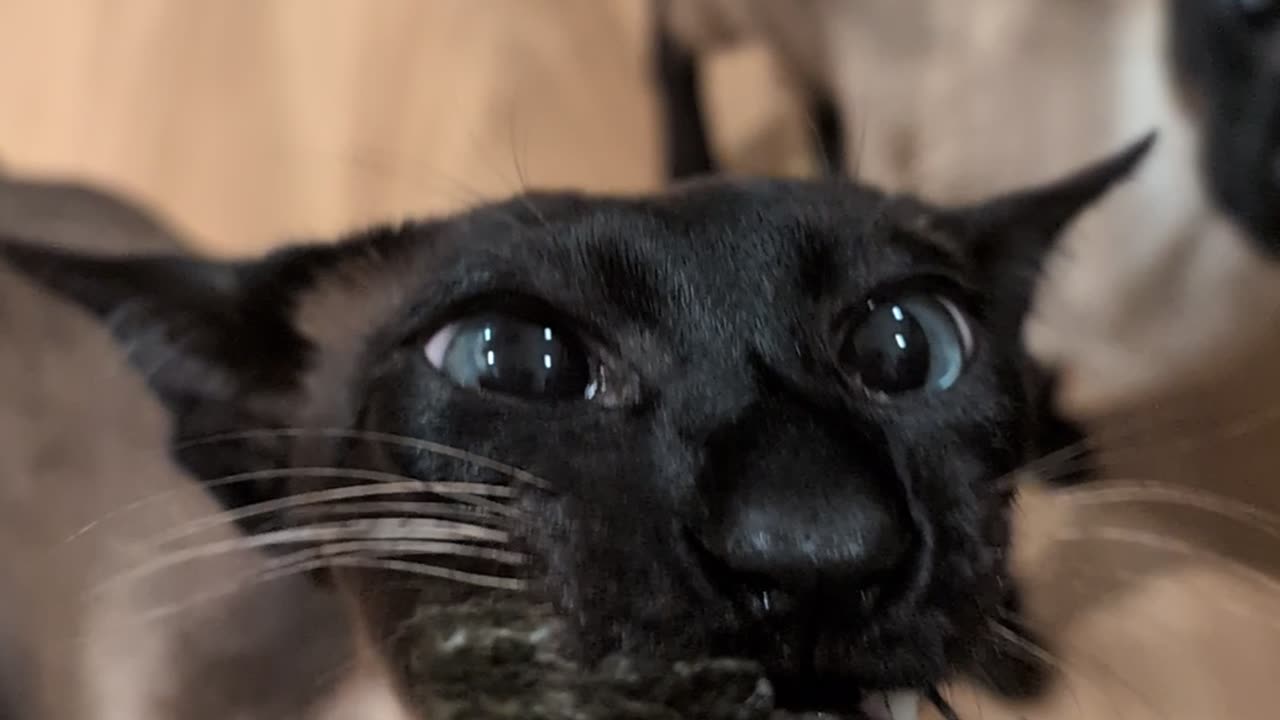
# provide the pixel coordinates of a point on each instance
(214, 340)
(1008, 240)
(1009, 237)
(198, 331)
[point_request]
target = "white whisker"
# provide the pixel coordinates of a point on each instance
(460, 489)
(442, 573)
(1156, 541)
(450, 535)
(1113, 493)
(346, 554)
(386, 485)
(1036, 651)
(471, 508)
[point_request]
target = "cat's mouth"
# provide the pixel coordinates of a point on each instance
(488, 659)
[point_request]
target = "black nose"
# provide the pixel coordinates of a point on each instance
(799, 514)
(780, 559)
(841, 546)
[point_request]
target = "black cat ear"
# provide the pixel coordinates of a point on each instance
(1009, 237)
(1008, 240)
(1046, 210)
(195, 329)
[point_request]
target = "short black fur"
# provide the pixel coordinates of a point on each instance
(732, 488)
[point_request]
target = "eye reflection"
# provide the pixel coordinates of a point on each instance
(915, 342)
(512, 356)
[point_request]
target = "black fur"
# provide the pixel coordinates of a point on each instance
(686, 132)
(733, 492)
(1224, 53)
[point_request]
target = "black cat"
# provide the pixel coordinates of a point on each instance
(765, 419)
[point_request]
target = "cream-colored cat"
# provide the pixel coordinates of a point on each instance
(86, 486)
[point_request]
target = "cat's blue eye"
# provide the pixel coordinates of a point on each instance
(513, 356)
(916, 342)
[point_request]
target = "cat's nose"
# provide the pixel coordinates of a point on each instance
(782, 554)
(797, 509)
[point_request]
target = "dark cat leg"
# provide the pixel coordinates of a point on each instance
(828, 134)
(687, 151)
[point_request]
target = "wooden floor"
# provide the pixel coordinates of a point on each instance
(251, 121)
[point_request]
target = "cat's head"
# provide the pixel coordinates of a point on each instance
(764, 419)
(1226, 61)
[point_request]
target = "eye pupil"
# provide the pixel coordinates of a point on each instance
(514, 357)
(917, 342)
(890, 350)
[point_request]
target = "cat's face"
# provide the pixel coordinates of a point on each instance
(761, 419)
(1226, 56)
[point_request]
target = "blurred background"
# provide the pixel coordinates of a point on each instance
(247, 122)
(244, 124)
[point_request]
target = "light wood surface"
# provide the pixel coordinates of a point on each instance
(250, 121)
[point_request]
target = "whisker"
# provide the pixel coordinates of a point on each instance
(240, 582)
(1116, 440)
(476, 503)
(378, 548)
(521, 180)
(471, 510)
(351, 554)
(389, 486)
(1176, 437)
(941, 704)
(448, 536)
(1113, 493)
(1049, 466)
(395, 546)
(461, 489)
(388, 438)
(442, 573)
(1165, 543)
(1111, 439)
(1036, 651)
